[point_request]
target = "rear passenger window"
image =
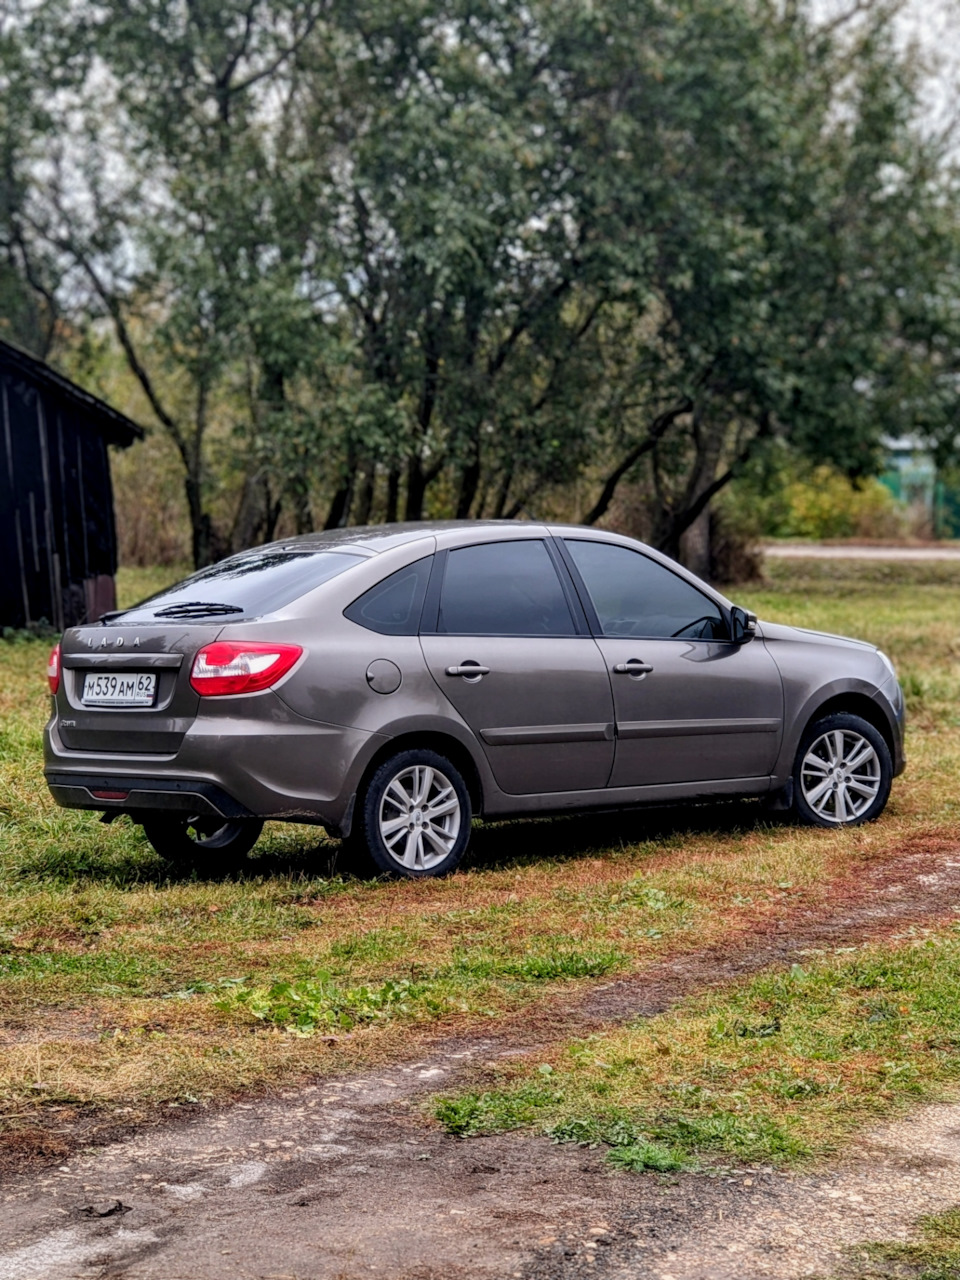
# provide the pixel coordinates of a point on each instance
(503, 589)
(394, 605)
(635, 596)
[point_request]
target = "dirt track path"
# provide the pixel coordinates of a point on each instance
(345, 1179)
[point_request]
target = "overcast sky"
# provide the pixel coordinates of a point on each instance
(935, 25)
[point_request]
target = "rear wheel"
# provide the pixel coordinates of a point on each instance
(208, 843)
(415, 818)
(843, 772)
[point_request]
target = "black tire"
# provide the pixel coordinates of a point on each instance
(431, 844)
(209, 844)
(855, 769)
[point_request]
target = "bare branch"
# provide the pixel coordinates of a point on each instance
(284, 55)
(658, 428)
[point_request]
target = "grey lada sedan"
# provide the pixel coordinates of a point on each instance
(392, 683)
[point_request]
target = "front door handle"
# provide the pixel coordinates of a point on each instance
(633, 667)
(468, 670)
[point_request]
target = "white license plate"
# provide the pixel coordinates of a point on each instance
(119, 689)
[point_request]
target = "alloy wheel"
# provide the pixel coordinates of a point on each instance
(419, 817)
(840, 776)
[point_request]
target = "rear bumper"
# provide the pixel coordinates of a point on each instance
(104, 792)
(277, 765)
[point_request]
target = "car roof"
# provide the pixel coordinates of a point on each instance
(381, 537)
(371, 539)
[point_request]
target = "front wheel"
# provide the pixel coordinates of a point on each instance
(415, 818)
(842, 773)
(210, 844)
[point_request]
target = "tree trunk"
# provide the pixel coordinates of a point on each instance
(695, 545)
(503, 492)
(365, 496)
(273, 510)
(299, 491)
(469, 484)
(250, 517)
(201, 527)
(339, 512)
(416, 488)
(393, 495)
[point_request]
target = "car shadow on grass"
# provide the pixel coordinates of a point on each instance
(307, 854)
(501, 845)
(525, 842)
(521, 843)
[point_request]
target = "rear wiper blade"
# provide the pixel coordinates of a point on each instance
(186, 607)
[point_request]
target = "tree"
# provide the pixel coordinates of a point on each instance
(408, 258)
(28, 283)
(183, 222)
(792, 221)
(923, 383)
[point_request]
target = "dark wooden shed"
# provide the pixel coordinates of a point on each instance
(57, 534)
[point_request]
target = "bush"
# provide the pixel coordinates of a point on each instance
(735, 552)
(828, 505)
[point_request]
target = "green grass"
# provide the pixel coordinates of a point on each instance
(934, 1255)
(96, 929)
(782, 1067)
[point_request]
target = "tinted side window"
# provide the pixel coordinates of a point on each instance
(635, 596)
(394, 605)
(503, 589)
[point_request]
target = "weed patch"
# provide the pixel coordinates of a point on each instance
(547, 967)
(318, 1004)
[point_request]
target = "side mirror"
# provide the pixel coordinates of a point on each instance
(743, 625)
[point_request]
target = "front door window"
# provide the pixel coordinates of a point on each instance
(637, 597)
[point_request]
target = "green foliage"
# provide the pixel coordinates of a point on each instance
(318, 1003)
(647, 1157)
(828, 505)
(790, 499)
(475, 1113)
(28, 272)
(378, 258)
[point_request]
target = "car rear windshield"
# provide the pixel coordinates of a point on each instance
(246, 585)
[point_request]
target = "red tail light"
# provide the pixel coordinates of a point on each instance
(232, 666)
(53, 669)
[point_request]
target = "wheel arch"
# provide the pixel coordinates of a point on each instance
(856, 704)
(429, 740)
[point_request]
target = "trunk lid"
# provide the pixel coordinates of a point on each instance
(164, 652)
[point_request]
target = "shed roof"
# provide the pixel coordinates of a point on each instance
(113, 426)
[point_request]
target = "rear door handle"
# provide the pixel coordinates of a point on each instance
(633, 667)
(469, 670)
